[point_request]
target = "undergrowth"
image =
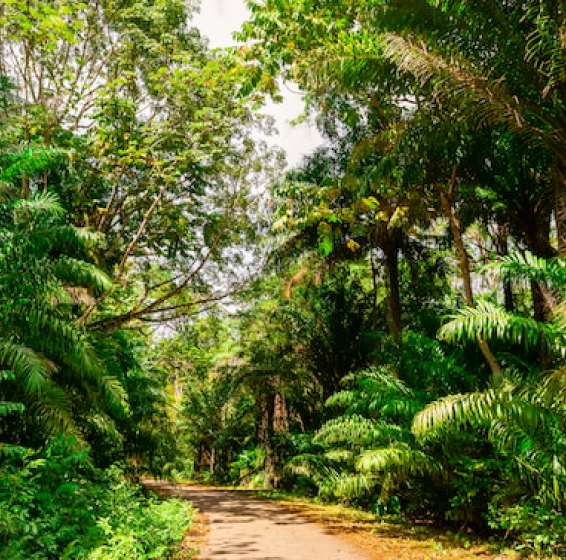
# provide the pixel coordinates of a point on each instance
(55, 506)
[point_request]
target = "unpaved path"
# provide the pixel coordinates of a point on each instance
(242, 528)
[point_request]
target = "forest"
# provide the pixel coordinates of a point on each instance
(382, 325)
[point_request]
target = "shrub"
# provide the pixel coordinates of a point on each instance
(54, 505)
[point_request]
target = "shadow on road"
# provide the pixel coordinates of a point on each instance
(233, 507)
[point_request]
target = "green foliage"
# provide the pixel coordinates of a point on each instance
(248, 468)
(52, 359)
(321, 318)
(491, 322)
(140, 528)
(370, 445)
(522, 425)
(54, 505)
(535, 529)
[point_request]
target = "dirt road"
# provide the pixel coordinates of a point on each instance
(242, 528)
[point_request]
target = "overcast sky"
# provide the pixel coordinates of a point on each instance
(218, 19)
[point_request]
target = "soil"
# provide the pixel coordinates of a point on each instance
(235, 526)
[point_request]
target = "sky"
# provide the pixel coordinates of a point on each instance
(217, 20)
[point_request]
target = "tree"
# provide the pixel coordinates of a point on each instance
(53, 362)
(155, 146)
(353, 65)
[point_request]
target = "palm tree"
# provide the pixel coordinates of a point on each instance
(45, 276)
(522, 416)
(514, 77)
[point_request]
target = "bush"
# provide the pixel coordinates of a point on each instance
(534, 529)
(54, 505)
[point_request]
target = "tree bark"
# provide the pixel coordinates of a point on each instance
(446, 199)
(391, 251)
(265, 437)
(502, 245)
(560, 209)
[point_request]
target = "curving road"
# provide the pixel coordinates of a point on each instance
(242, 528)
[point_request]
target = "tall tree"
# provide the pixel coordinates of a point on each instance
(156, 145)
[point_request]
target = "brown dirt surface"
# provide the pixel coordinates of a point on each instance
(241, 527)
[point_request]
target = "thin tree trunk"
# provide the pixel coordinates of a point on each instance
(393, 292)
(212, 461)
(265, 436)
(560, 209)
(464, 263)
(374, 272)
(502, 244)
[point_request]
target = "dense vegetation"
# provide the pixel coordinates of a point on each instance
(394, 335)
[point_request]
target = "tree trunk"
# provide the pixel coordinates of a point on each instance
(265, 437)
(560, 209)
(391, 251)
(374, 273)
(212, 463)
(464, 263)
(502, 245)
(281, 414)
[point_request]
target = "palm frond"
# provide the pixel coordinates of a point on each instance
(510, 438)
(514, 416)
(53, 411)
(378, 393)
(453, 412)
(340, 455)
(486, 100)
(31, 369)
(400, 461)
(43, 203)
(491, 322)
(70, 348)
(311, 465)
(357, 430)
(529, 267)
(350, 486)
(75, 272)
(7, 407)
(69, 239)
